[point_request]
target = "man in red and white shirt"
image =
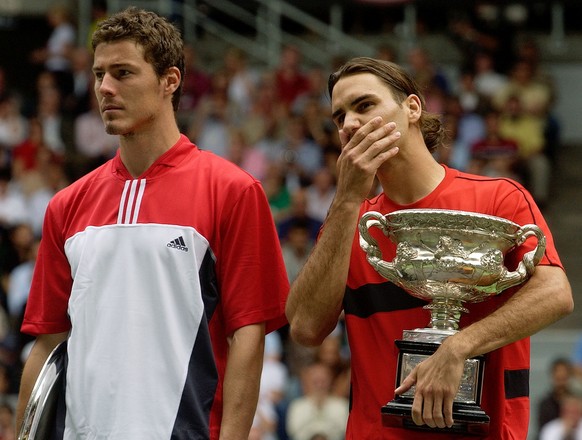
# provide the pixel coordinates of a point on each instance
(161, 268)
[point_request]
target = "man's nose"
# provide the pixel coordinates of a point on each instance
(106, 86)
(351, 124)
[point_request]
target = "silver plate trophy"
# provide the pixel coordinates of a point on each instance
(447, 258)
(48, 392)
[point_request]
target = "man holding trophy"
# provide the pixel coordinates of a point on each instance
(460, 246)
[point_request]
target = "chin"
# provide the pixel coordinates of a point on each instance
(113, 129)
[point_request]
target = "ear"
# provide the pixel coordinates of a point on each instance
(414, 108)
(172, 80)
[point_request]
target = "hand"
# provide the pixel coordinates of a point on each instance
(437, 381)
(362, 154)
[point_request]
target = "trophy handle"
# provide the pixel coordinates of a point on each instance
(370, 245)
(527, 265)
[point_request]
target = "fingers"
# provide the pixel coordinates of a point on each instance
(432, 404)
(372, 139)
(406, 384)
(430, 411)
(448, 411)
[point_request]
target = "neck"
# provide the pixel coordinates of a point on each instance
(139, 151)
(411, 177)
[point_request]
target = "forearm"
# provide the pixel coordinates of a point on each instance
(315, 298)
(541, 301)
(41, 350)
(242, 381)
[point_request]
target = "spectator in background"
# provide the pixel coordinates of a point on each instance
(317, 411)
(488, 81)
(529, 51)
(52, 119)
(331, 353)
(37, 173)
(263, 124)
(318, 123)
(272, 390)
(296, 245)
(250, 158)
(197, 84)
(577, 365)
(561, 374)
(290, 79)
(528, 131)
(430, 78)
(13, 210)
(25, 154)
(242, 80)
(98, 14)
(19, 286)
(298, 212)
(92, 142)
(55, 56)
(299, 155)
(469, 127)
(470, 98)
(535, 96)
(471, 38)
(16, 247)
(13, 126)
(77, 101)
(214, 118)
(277, 192)
(569, 425)
(320, 193)
(494, 155)
(52, 178)
(315, 93)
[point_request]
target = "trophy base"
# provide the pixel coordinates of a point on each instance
(468, 419)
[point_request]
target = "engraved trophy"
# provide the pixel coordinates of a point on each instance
(447, 258)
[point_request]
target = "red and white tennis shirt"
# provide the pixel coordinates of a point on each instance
(151, 275)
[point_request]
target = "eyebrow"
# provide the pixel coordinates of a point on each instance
(354, 103)
(112, 66)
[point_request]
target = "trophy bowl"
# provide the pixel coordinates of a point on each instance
(46, 397)
(447, 258)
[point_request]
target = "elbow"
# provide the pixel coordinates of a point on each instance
(305, 334)
(304, 337)
(568, 307)
(567, 299)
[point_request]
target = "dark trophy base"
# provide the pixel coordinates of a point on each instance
(469, 418)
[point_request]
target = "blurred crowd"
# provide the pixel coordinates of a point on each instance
(275, 123)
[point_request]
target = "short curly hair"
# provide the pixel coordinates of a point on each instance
(161, 40)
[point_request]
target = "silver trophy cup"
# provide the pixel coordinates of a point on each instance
(46, 397)
(447, 258)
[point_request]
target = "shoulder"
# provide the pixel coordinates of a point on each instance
(484, 183)
(80, 186)
(221, 171)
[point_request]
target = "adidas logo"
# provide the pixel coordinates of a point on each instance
(178, 243)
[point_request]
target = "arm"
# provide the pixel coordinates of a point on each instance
(40, 352)
(242, 380)
(544, 299)
(315, 299)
